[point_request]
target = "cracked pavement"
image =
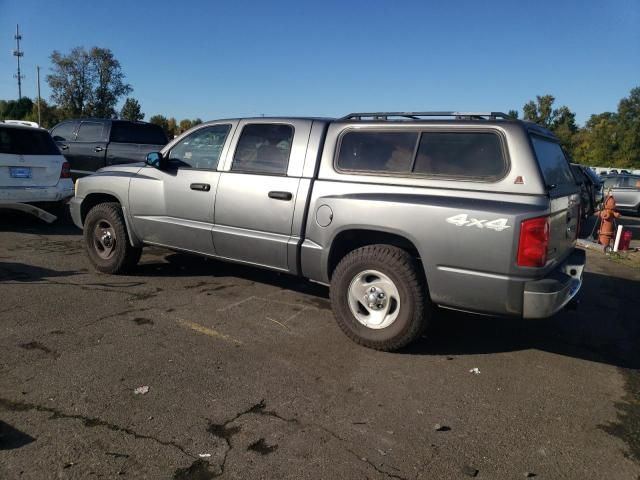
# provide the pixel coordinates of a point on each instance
(249, 377)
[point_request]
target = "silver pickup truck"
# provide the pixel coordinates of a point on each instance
(399, 212)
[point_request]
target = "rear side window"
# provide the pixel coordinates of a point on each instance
(476, 155)
(554, 165)
(263, 148)
(90, 132)
(611, 182)
(460, 155)
(138, 133)
(24, 141)
(63, 132)
(630, 182)
(377, 151)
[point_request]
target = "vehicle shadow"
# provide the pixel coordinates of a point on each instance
(23, 273)
(176, 264)
(12, 438)
(20, 222)
(604, 328)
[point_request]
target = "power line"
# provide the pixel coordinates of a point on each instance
(18, 53)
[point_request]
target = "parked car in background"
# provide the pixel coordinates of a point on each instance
(590, 189)
(397, 212)
(626, 190)
(34, 176)
(24, 123)
(90, 144)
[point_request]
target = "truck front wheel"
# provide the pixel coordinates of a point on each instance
(379, 298)
(106, 240)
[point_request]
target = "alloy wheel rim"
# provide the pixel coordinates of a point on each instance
(374, 299)
(104, 239)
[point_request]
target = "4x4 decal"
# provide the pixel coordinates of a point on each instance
(463, 220)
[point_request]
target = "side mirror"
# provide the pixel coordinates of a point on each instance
(156, 160)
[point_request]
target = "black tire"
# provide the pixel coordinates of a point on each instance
(121, 256)
(415, 306)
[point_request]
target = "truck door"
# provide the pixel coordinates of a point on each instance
(257, 194)
(63, 134)
(88, 152)
(174, 207)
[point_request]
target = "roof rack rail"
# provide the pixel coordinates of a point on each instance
(417, 115)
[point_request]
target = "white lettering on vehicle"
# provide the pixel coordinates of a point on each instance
(463, 220)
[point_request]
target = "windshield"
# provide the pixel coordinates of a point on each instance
(27, 141)
(553, 163)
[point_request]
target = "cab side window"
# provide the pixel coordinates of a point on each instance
(90, 132)
(64, 132)
(263, 148)
(201, 149)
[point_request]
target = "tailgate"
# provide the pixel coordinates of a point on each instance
(564, 195)
(28, 158)
(30, 170)
(564, 223)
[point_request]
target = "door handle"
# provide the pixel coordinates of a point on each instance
(202, 187)
(286, 196)
(98, 149)
(64, 147)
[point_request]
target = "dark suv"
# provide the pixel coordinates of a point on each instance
(92, 143)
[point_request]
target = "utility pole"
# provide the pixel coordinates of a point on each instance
(18, 53)
(39, 100)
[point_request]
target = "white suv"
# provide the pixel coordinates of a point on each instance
(34, 176)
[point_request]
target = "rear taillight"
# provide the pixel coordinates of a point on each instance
(534, 240)
(66, 170)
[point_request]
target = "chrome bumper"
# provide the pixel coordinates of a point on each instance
(545, 297)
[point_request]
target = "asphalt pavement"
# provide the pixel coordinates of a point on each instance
(245, 374)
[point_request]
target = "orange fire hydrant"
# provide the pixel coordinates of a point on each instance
(607, 216)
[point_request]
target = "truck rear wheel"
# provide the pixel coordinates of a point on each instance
(379, 298)
(106, 240)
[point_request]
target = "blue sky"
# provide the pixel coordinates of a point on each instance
(214, 59)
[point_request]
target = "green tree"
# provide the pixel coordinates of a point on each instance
(565, 128)
(16, 109)
(87, 82)
(628, 130)
(131, 110)
(172, 127)
(162, 121)
(50, 115)
(109, 85)
(513, 113)
(184, 125)
(597, 143)
(72, 80)
(541, 111)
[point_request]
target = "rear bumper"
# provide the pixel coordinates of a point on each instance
(56, 193)
(545, 297)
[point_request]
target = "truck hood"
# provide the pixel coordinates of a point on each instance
(130, 168)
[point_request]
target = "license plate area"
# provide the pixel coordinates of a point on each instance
(20, 172)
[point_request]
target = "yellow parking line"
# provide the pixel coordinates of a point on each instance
(207, 331)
